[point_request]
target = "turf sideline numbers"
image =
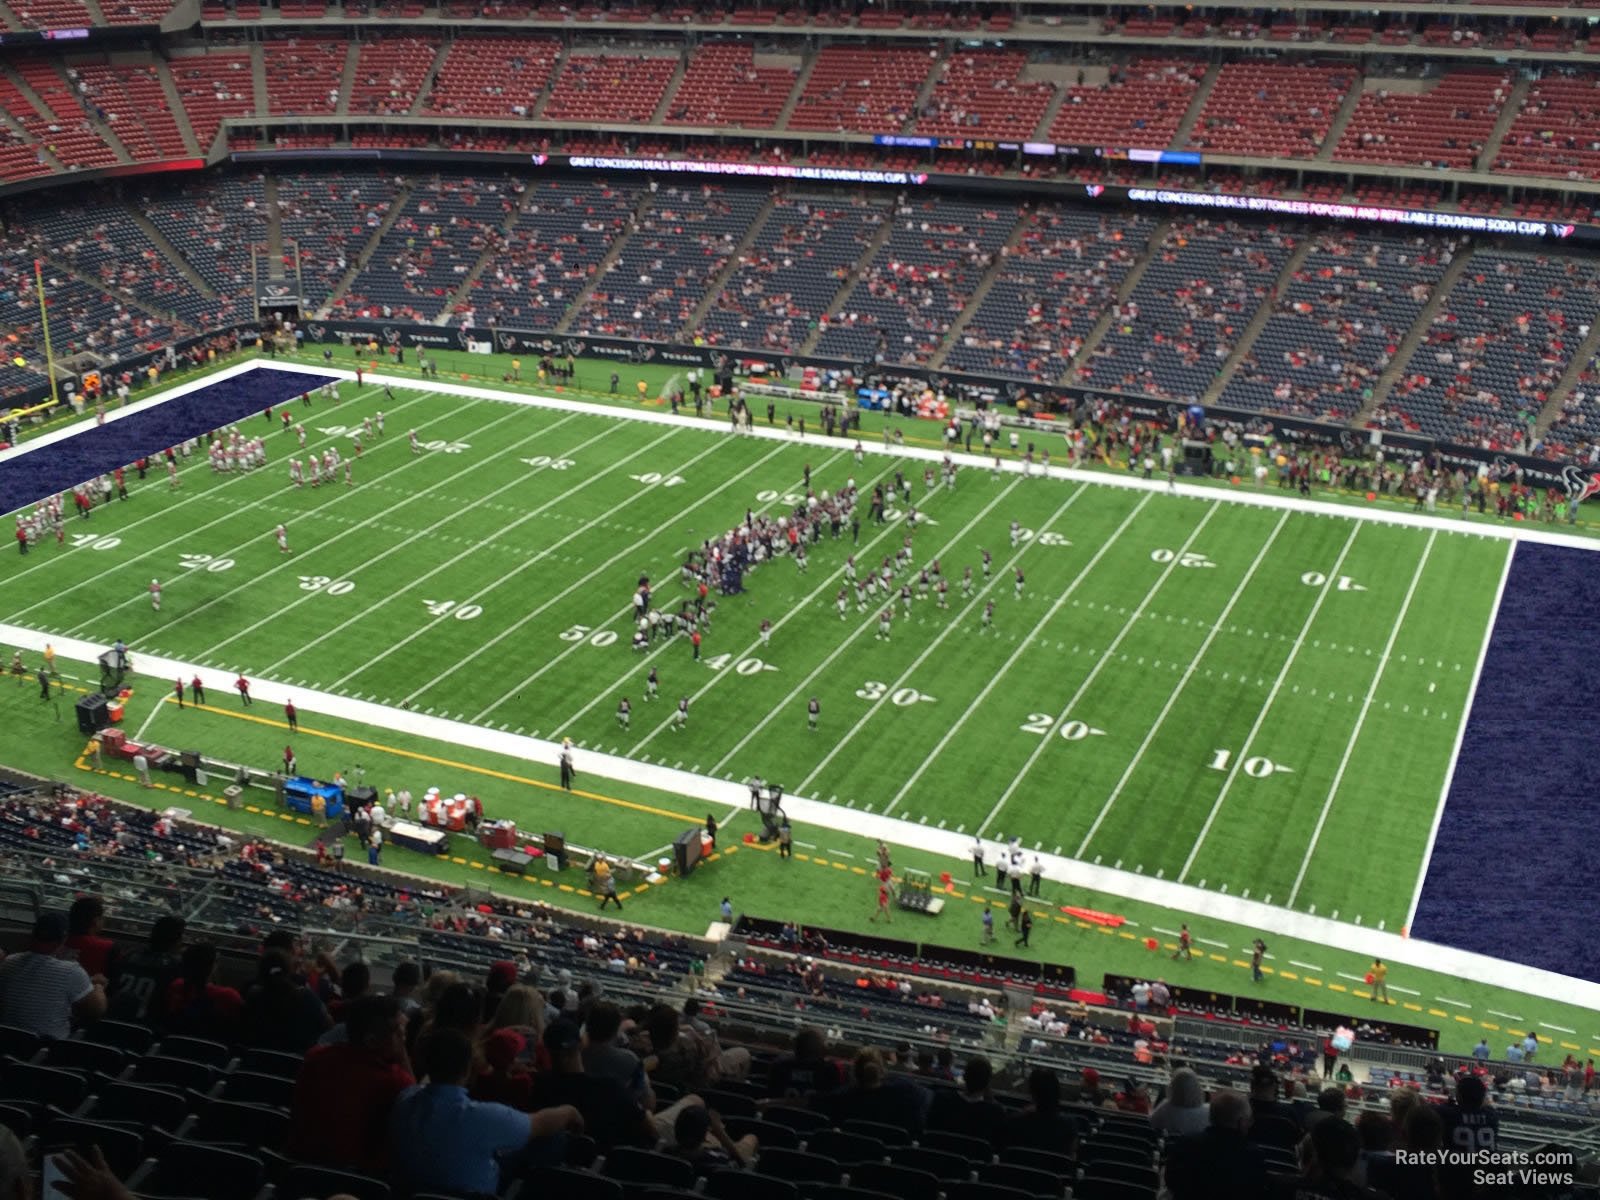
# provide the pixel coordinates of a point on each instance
(190, 561)
(88, 541)
(657, 477)
(1345, 583)
(327, 586)
(448, 608)
(1189, 558)
(770, 497)
(1039, 724)
(580, 633)
(744, 666)
(544, 460)
(1048, 538)
(872, 691)
(1257, 767)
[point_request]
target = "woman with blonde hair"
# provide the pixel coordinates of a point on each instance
(521, 1009)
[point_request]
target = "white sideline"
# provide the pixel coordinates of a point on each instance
(1353, 939)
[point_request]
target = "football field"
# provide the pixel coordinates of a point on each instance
(1225, 695)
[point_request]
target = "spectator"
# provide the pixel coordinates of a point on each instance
(874, 1096)
(1183, 1112)
(1272, 1122)
(1089, 1090)
(610, 1114)
(86, 943)
(605, 1057)
(1422, 1132)
(502, 976)
(142, 980)
(1133, 1098)
(1330, 1103)
(354, 982)
(440, 1140)
(521, 1009)
(46, 994)
(698, 1135)
(504, 1079)
(973, 1110)
(406, 980)
(1330, 1167)
(806, 1070)
(196, 1007)
(687, 1058)
(345, 1092)
(1219, 1163)
(279, 1012)
(1042, 1125)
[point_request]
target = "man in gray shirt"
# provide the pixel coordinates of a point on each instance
(45, 994)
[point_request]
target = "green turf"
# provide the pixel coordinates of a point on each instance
(823, 885)
(1168, 694)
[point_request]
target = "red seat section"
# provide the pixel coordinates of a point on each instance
(1442, 122)
(1271, 109)
(984, 94)
(1139, 106)
(493, 76)
(135, 106)
(725, 86)
(1555, 133)
(390, 72)
(862, 89)
(610, 88)
(303, 75)
(213, 87)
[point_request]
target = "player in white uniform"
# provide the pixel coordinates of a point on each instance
(349, 467)
(800, 557)
(841, 601)
(172, 476)
(905, 597)
(813, 711)
(366, 423)
(988, 562)
(415, 448)
(1016, 534)
(681, 717)
(944, 592)
(315, 464)
(884, 620)
(282, 535)
(859, 452)
(300, 432)
(988, 617)
(294, 473)
(966, 584)
(155, 594)
(380, 422)
(1019, 583)
(766, 634)
(650, 685)
(850, 568)
(624, 713)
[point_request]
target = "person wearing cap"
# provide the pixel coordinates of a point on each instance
(504, 1080)
(346, 1090)
(611, 1114)
(1089, 1090)
(43, 993)
(441, 1140)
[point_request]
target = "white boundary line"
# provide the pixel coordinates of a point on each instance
(538, 510)
(1518, 531)
(1361, 717)
(977, 702)
(610, 562)
(951, 626)
(658, 652)
(1094, 673)
(1188, 674)
(1363, 942)
(1461, 735)
(1244, 747)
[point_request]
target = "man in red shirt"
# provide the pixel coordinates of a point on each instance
(292, 715)
(84, 940)
(342, 1099)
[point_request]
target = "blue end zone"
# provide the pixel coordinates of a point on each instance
(59, 467)
(1509, 874)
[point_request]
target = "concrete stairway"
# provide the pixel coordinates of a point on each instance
(401, 199)
(1158, 237)
(985, 284)
(847, 285)
(1415, 336)
(714, 286)
(603, 268)
(1258, 321)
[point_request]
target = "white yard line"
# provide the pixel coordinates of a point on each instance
(1558, 1028)
(1361, 718)
(830, 581)
(1461, 733)
(1447, 1000)
(1277, 686)
(1188, 674)
(1304, 966)
(1104, 658)
(1505, 1016)
(657, 652)
(610, 562)
(950, 734)
(498, 533)
(951, 626)
(292, 560)
(186, 498)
